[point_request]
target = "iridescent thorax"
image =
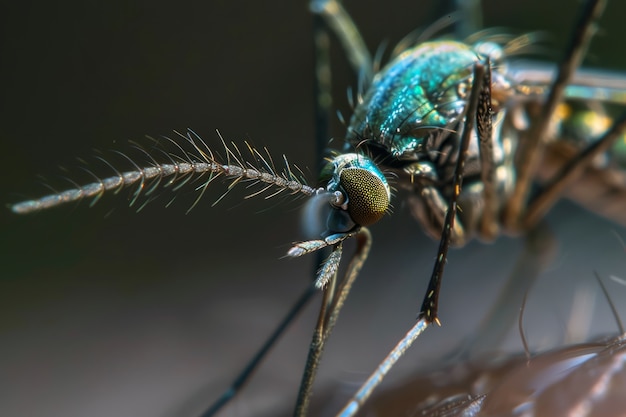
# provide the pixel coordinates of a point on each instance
(423, 90)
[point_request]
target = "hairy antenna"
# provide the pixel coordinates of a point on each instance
(192, 159)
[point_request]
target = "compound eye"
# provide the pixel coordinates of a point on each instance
(368, 197)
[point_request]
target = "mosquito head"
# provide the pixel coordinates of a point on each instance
(360, 193)
(354, 193)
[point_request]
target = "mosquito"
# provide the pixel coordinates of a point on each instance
(263, 169)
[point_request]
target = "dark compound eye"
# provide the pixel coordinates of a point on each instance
(368, 199)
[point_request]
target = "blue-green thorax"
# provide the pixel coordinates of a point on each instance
(421, 91)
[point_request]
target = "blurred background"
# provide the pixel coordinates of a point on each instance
(105, 311)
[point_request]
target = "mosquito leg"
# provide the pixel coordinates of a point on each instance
(534, 141)
(342, 25)
(572, 170)
(385, 366)
(476, 100)
(484, 126)
(322, 90)
(428, 313)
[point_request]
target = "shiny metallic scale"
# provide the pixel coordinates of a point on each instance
(444, 118)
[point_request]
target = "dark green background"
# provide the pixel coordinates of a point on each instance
(107, 312)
